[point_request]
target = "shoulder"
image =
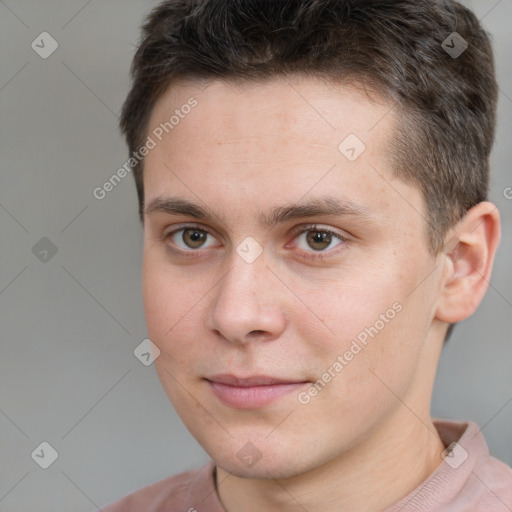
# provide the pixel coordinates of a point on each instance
(491, 485)
(171, 493)
(487, 483)
(469, 478)
(482, 482)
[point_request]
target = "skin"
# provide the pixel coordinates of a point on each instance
(367, 438)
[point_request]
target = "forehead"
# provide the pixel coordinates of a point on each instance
(313, 107)
(248, 145)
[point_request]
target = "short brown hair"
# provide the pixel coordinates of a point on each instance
(400, 48)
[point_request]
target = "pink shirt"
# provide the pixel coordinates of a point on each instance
(468, 480)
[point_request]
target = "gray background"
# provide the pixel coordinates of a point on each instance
(70, 325)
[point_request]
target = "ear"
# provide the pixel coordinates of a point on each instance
(468, 258)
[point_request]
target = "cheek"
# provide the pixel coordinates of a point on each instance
(160, 302)
(174, 308)
(167, 299)
(350, 302)
(365, 318)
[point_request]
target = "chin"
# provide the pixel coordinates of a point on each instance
(263, 460)
(263, 470)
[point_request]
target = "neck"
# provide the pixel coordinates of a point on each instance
(371, 476)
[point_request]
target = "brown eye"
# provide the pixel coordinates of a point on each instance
(315, 239)
(193, 238)
(318, 240)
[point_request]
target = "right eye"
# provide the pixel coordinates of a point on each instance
(191, 238)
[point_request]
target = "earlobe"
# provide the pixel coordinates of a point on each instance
(468, 258)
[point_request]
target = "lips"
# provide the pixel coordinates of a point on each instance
(251, 392)
(244, 382)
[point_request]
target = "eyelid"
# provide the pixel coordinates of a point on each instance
(179, 227)
(304, 228)
(296, 232)
(318, 255)
(168, 234)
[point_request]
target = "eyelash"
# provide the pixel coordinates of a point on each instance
(317, 256)
(191, 253)
(311, 255)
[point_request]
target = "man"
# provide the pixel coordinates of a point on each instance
(312, 180)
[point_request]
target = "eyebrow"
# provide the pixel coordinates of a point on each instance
(319, 207)
(178, 206)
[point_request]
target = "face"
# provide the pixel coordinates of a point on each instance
(286, 276)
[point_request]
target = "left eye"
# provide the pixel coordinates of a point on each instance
(192, 238)
(318, 240)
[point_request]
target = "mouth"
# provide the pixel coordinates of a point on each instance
(251, 392)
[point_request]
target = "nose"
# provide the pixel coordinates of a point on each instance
(246, 306)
